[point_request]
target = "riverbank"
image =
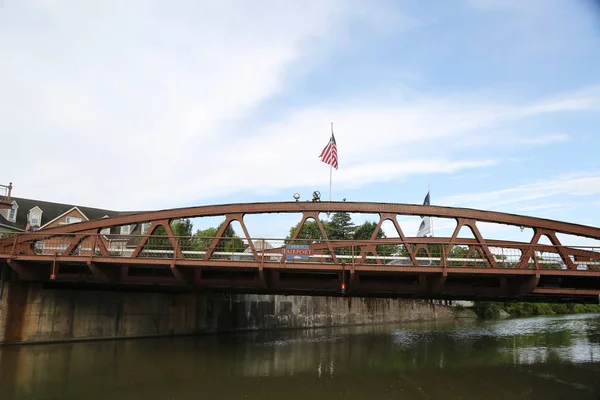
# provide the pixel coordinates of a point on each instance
(494, 310)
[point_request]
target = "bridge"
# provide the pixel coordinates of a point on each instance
(86, 255)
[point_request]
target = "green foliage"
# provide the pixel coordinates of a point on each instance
(341, 227)
(586, 308)
(520, 309)
(560, 308)
(203, 238)
(180, 228)
(365, 231)
(463, 252)
(230, 242)
(310, 231)
(487, 309)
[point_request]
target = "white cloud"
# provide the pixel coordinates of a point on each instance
(545, 139)
(120, 92)
(542, 206)
(150, 104)
(573, 185)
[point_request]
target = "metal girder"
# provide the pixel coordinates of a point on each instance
(321, 207)
(107, 265)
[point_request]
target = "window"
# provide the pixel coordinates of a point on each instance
(145, 227)
(72, 220)
(105, 231)
(12, 216)
(125, 229)
(35, 218)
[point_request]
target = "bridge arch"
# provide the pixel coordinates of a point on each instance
(425, 264)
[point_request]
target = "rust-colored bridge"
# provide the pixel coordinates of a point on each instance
(86, 254)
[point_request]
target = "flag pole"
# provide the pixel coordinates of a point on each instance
(430, 219)
(330, 177)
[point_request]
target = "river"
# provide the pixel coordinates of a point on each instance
(545, 358)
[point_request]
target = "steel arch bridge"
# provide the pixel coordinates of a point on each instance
(414, 267)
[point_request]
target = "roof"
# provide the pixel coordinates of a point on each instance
(51, 211)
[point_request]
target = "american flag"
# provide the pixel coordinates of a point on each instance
(329, 153)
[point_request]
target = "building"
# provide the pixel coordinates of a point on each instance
(31, 215)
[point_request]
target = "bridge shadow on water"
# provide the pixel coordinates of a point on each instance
(550, 358)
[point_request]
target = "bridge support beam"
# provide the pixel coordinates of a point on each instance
(523, 285)
(27, 272)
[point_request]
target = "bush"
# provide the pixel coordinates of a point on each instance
(560, 309)
(487, 309)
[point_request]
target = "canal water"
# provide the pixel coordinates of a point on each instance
(535, 358)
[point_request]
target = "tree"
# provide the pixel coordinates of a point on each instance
(182, 227)
(182, 230)
(230, 242)
(341, 226)
(203, 238)
(309, 232)
(365, 232)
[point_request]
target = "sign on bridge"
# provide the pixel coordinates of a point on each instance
(294, 252)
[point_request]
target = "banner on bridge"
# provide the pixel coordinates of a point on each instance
(295, 252)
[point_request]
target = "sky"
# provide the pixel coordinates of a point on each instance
(151, 104)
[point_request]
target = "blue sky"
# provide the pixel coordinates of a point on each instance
(156, 104)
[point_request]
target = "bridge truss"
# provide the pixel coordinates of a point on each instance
(439, 268)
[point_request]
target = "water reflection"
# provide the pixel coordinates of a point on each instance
(504, 359)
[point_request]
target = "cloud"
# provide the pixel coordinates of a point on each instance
(543, 206)
(545, 139)
(119, 92)
(149, 104)
(573, 185)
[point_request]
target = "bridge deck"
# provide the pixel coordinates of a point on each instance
(438, 271)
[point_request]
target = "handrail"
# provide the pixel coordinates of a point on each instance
(5, 193)
(389, 251)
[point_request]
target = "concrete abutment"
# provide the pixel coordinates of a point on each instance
(31, 313)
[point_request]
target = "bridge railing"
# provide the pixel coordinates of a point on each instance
(439, 252)
(5, 192)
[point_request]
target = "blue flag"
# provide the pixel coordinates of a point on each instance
(426, 202)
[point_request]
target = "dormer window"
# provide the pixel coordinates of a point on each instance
(125, 229)
(12, 215)
(35, 217)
